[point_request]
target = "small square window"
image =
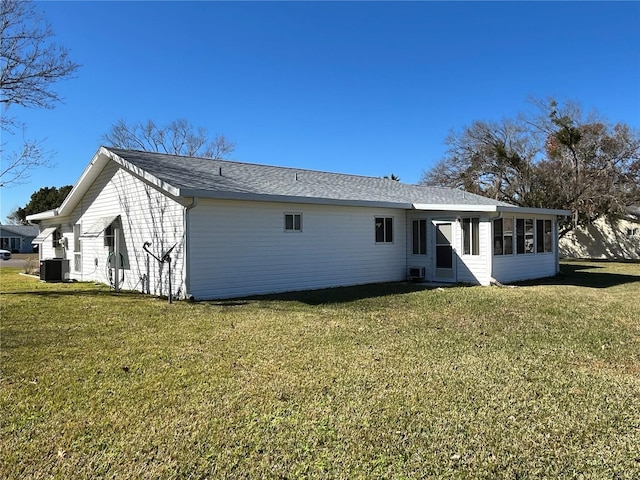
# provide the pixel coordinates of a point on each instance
(292, 222)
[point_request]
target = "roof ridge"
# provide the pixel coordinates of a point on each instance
(277, 167)
(184, 175)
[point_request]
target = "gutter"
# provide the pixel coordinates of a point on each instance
(265, 197)
(37, 217)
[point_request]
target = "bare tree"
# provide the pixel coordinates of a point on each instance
(16, 165)
(178, 137)
(556, 158)
(590, 166)
(30, 64)
(494, 159)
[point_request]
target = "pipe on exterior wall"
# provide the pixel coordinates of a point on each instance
(187, 250)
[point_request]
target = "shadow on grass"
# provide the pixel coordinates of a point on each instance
(61, 291)
(581, 275)
(575, 274)
(346, 294)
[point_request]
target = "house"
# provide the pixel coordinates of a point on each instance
(235, 229)
(18, 238)
(607, 238)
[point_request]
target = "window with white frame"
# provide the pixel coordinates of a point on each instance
(292, 222)
(384, 229)
(471, 236)
(503, 236)
(524, 236)
(419, 237)
(544, 239)
(531, 236)
(56, 236)
(77, 230)
(77, 252)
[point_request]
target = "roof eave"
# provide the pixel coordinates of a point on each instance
(490, 209)
(260, 197)
(453, 207)
(142, 174)
(534, 211)
(90, 174)
(37, 217)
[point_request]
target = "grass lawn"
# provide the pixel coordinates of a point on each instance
(384, 381)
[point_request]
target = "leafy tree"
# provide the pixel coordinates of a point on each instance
(47, 198)
(558, 159)
(31, 64)
(177, 137)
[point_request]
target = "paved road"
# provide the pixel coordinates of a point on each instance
(14, 262)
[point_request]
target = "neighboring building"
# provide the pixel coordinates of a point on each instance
(237, 229)
(608, 238)
(18, 238)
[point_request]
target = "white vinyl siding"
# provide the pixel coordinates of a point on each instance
(525, 262)
(145, 215)
(51, 247)
(475, 268)
(472, 269)
(238, 248)
(605, 238)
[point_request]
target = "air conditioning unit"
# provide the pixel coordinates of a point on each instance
(416, 273)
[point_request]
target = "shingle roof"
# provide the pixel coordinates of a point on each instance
(22, 230)
(221, 177)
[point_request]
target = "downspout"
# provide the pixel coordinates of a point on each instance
(187, 250)
(116, 259)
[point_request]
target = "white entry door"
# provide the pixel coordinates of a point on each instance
(445, 262)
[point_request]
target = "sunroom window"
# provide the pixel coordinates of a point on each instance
(471, 236)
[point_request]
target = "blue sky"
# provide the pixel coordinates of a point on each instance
(353, 87)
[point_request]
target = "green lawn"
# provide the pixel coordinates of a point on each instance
(385, 381)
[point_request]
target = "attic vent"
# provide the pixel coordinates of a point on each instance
(220, 171)
(296, 176)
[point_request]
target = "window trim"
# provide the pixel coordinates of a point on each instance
(77, 232)
(294, 224)
(387, 230)
(419, 237)
(526, 229)
(470, 236)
